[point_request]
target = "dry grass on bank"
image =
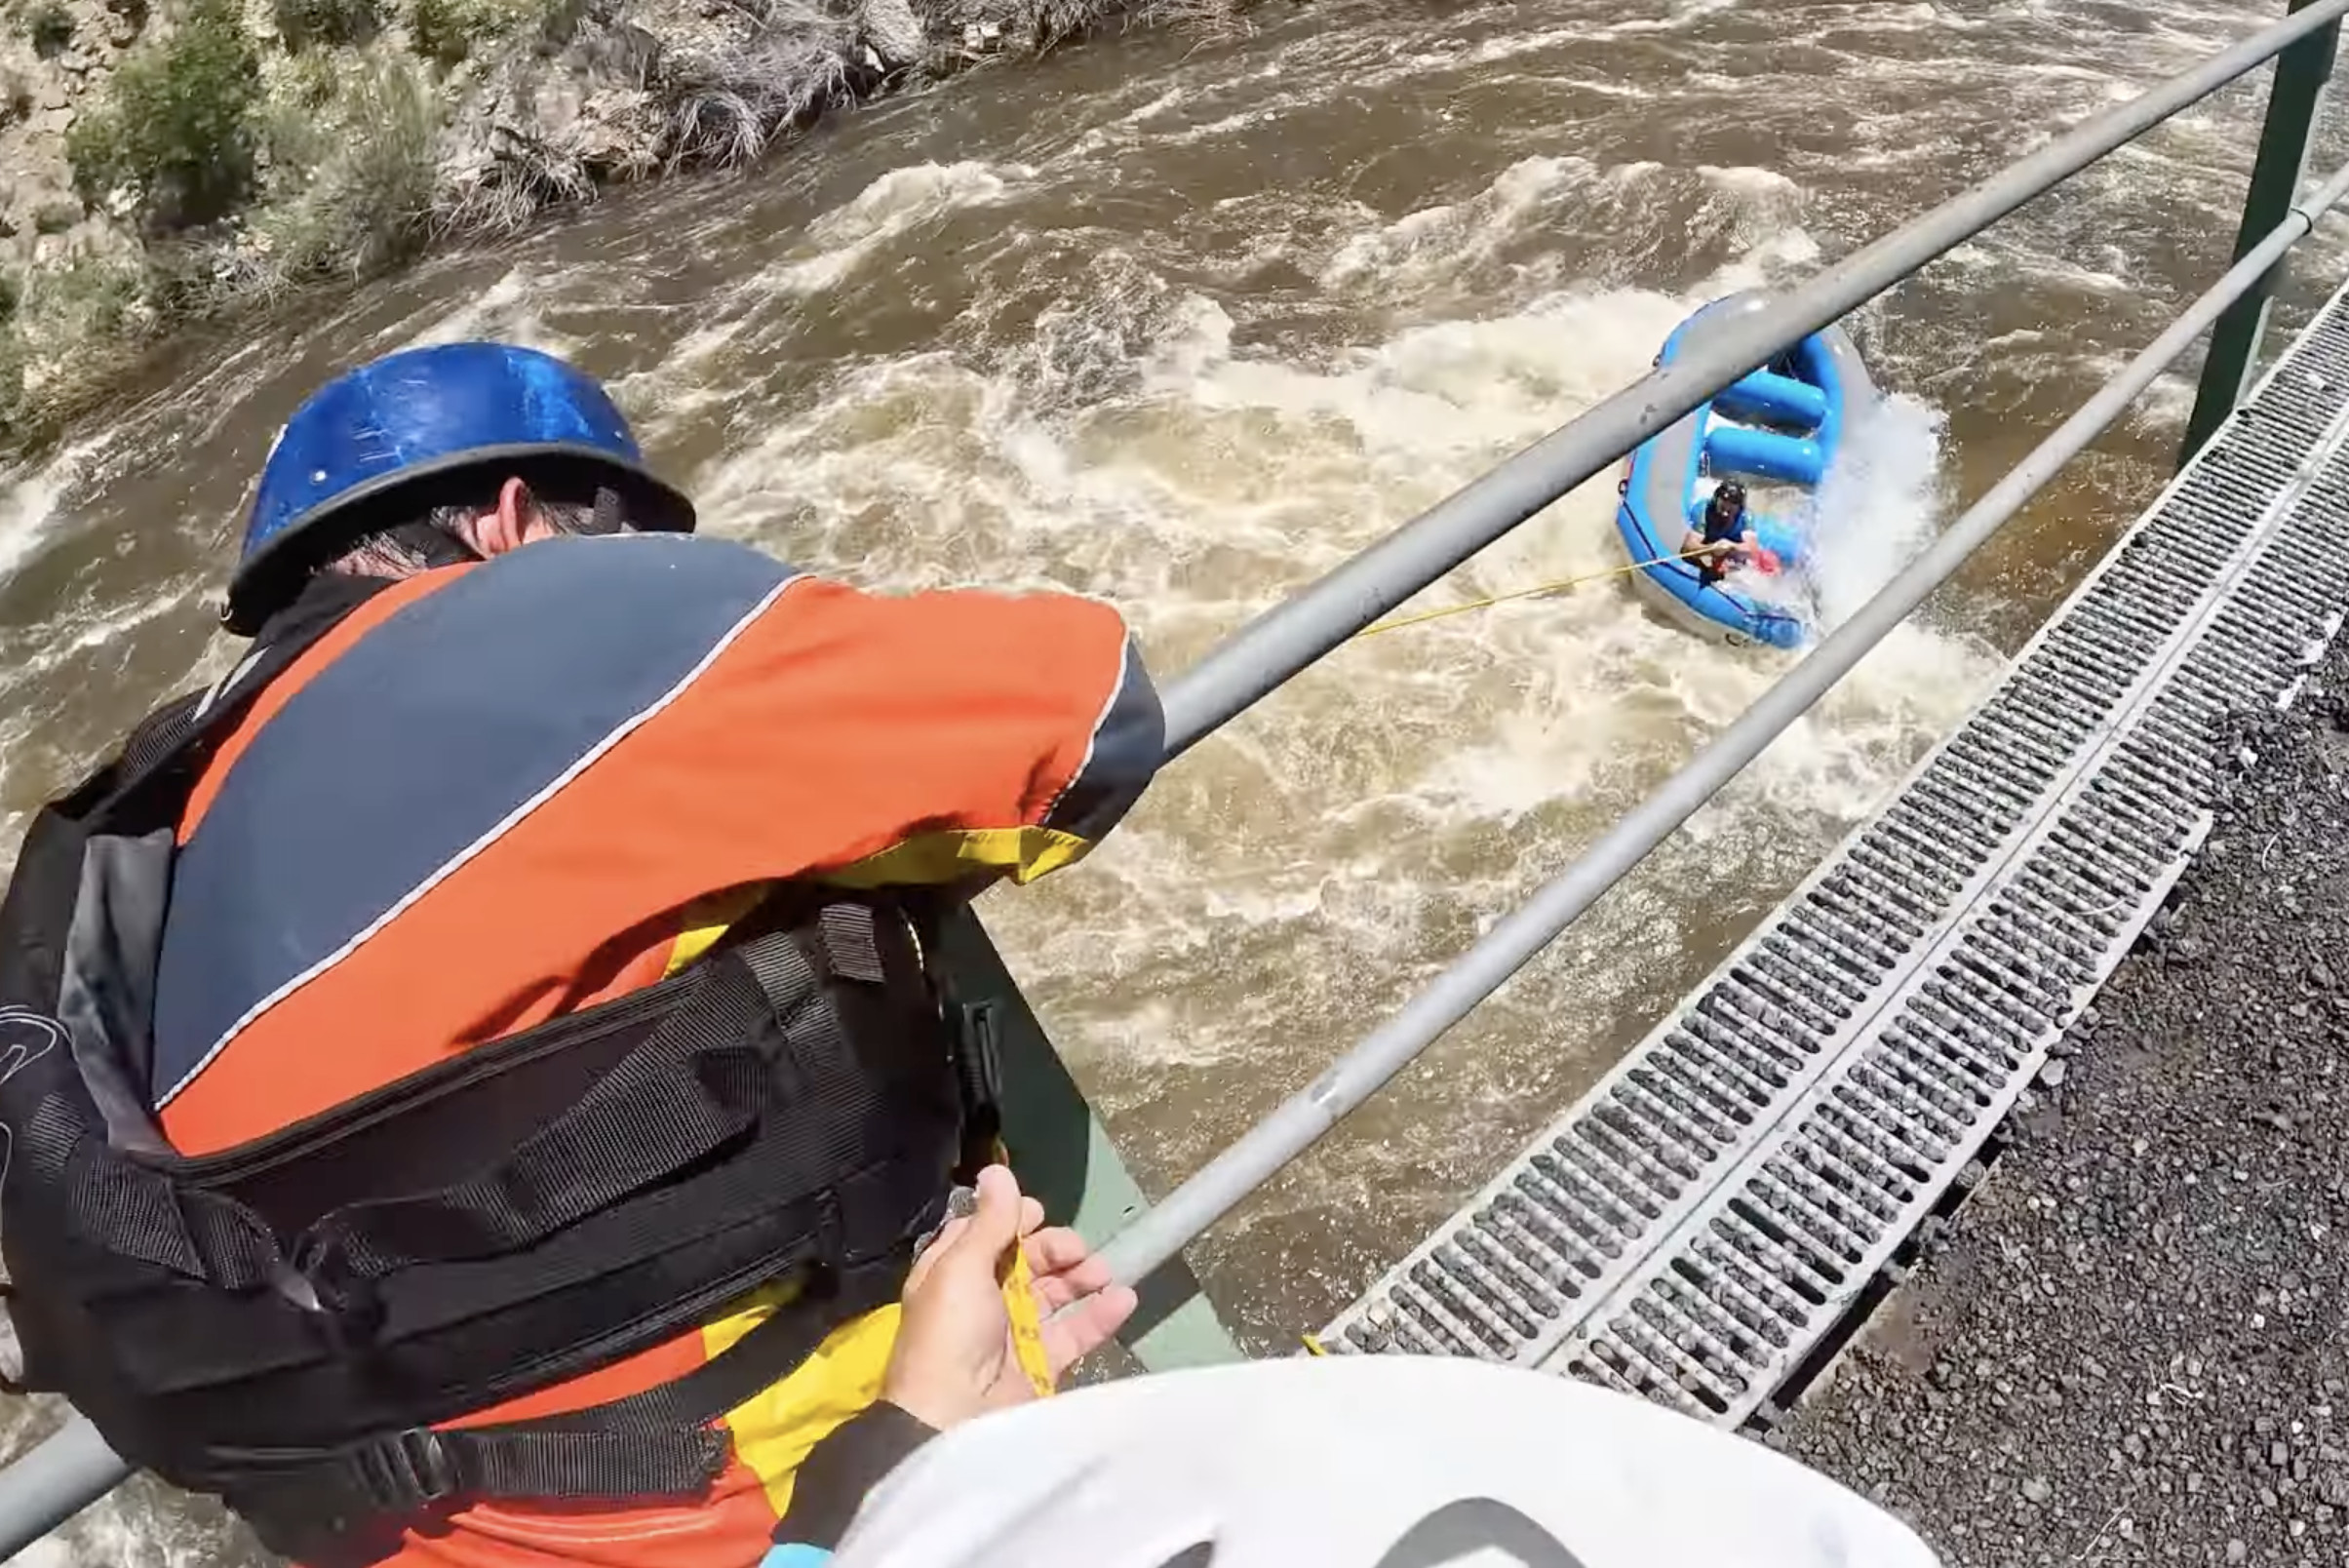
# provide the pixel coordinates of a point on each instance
(724, 107)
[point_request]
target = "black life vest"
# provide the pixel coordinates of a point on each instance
(285, 1322)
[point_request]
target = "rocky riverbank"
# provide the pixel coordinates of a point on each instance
(2134, 1347)
(163, 161)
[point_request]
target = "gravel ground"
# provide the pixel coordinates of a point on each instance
(2132, 1344)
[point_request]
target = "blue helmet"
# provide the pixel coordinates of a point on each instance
(375, 434)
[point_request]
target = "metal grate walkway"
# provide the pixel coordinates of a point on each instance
(1705, 1215)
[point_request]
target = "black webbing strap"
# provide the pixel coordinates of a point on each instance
(660, 1443)
(159, 735)
(851, 947)
(979, 1076)
(696, 1083)
(404, 1474)
(141, 1212)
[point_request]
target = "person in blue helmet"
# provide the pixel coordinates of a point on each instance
(1726, 540)
(511, 1080)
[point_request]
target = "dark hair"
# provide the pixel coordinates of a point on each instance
(408, 546)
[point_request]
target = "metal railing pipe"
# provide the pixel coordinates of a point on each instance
(63, 1475)
(1282, 641)
(1179, 1218)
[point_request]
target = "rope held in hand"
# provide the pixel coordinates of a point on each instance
(1559, 586)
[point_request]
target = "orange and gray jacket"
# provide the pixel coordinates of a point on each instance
(460, 1065)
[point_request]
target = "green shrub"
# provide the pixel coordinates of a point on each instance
(49, 26)
(303, 85)
(16, 99)
(90, 298)
(333, 23)
(176, 124)
(350, 186)
(439, 29)
(67, 343)
(13, 412)
(12, 293)
(449, 30)
(56, 217)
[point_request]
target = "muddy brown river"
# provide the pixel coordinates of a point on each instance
(1182, 324)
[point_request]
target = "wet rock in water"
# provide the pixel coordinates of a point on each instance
(893, 30)
(619, 134)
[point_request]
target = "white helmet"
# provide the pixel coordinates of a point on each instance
(1360, 1461)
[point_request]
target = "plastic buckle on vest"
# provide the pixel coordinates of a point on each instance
(402, 1471)
(979, 1078)
(348, 1308)
(979, 1054)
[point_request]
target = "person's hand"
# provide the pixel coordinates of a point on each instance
(955, 1357)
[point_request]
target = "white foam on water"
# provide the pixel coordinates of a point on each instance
(899, 201)
(68, 641)
(1748, 180)
(1157, 106)
(508, 310)
(1894, 19)
(1436, 243)
(2166, 405)
(102, 626)
(1878, 508)
(1512, 46)
(142, 1525)
(1411, 782)
(1683, 16)
(1230, 124)
(29, 497)
(27, 503)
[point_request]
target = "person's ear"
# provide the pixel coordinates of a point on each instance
(514, 522)
(515, 510)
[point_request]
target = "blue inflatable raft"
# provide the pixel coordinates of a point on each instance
(1781, 424)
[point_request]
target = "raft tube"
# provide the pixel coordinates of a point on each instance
(1781, 423)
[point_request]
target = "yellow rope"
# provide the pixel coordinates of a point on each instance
(1527, 593)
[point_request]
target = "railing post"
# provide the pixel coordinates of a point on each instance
(53, 1481)
(2301, 73)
